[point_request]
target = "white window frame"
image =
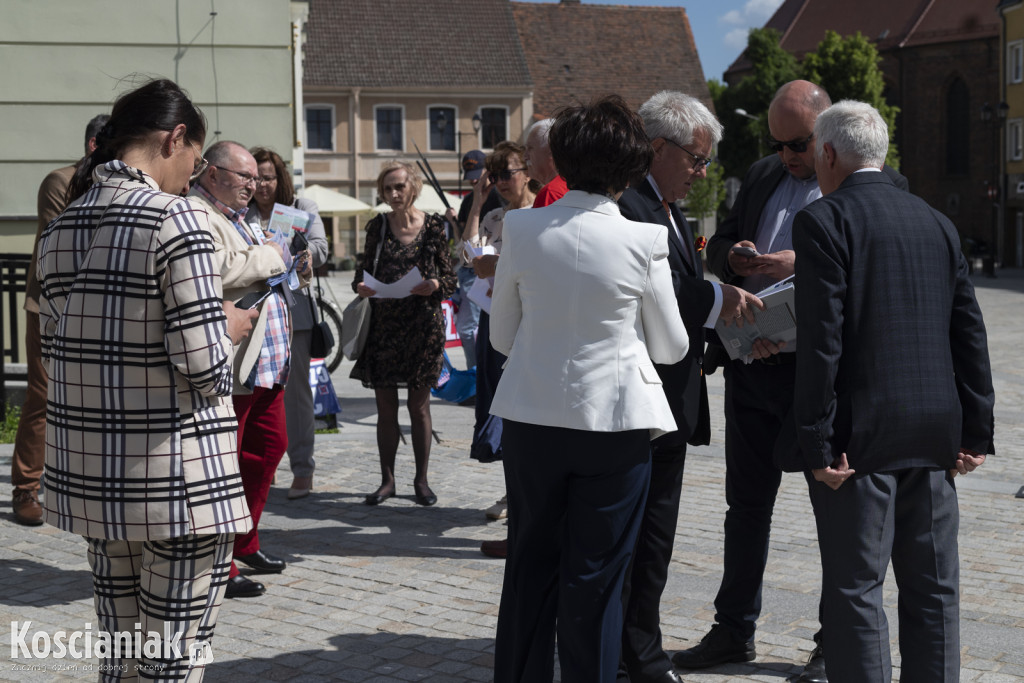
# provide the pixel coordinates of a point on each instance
(305, 122)
(376, 137)
(480, 111)
(1015, 62)
(455, 126)
(1015, 139)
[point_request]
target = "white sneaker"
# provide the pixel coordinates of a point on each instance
(499, 510)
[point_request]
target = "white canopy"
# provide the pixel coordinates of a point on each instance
(334, 203)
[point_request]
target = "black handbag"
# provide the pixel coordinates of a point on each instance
(321, 339)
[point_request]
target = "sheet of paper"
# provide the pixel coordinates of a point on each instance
(472, 252)
(395, 290)
(287, 219)
(478, 293)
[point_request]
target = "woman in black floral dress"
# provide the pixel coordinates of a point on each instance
(406, 338)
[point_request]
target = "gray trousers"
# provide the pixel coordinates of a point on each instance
(298, 408)
(912, 517)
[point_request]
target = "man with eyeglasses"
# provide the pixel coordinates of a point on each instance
(682, 132)
(248, 261)
(760, 431)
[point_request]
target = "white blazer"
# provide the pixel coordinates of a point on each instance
(583, 306)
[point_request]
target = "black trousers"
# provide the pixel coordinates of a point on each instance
(575, 500)
(643, 658)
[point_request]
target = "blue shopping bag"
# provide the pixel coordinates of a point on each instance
(325, 401)
(454, 385)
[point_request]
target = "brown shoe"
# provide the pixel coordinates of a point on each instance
(27, 509)
(497, 549)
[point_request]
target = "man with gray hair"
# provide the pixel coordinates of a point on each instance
(541, 165)
(682, 132)
(897, 390)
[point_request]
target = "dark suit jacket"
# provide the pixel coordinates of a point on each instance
(684, 382)
(892, 365)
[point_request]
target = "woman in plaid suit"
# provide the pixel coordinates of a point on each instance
(140, 435)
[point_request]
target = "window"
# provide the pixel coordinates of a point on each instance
(441, 120)
(1015, 62)
(389, 127)
(957, 128)
(493, 126)
(320, 127)
(1015, 139)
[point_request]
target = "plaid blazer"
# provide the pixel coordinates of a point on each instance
(140, 433)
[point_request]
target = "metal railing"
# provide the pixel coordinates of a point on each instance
(13, 278)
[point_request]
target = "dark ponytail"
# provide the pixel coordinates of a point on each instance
(159, 105)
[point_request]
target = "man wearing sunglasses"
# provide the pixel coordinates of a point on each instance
(760, 431)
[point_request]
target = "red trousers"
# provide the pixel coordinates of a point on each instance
(262, 441)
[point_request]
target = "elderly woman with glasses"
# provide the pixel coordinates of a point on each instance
(274, 186)
(406, 336)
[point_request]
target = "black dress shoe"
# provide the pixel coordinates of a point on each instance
(241, 587)
(379, 496)
(814, 671)
(717, 647)
(668, 677)
(427, 497)
(262, 563)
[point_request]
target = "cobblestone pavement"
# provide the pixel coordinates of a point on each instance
(401, 593)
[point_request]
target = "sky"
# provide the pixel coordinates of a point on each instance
(719, 26)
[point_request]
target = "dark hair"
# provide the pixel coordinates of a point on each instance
(93, 128)
(285, 190)
(158, 105)
(600, 147)
(497, 161)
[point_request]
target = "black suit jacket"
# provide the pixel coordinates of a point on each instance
(684, 382)
(892, 365)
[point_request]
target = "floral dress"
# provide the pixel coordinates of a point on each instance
(406, 337)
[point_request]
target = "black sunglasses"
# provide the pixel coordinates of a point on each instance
(798, 146)
(505, 175)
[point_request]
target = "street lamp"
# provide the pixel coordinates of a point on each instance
(757, 120)
(994, 118)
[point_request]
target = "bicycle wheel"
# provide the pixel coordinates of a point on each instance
(330, 315)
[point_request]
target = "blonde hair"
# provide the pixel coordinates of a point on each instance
(411, 172)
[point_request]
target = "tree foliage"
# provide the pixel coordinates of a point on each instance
(848, 69)
(707, 195)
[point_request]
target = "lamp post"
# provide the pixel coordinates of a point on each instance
(994, 118)
(757, 120)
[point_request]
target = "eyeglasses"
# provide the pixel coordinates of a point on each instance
(266, 179)
(798, 146)
(505, 175)
(200, 165)
(698, 162)
(248, 178)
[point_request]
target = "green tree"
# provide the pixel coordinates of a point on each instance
(848, 69)
(772, 66)
(707, 195)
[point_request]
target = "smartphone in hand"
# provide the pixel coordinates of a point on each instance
(749, 252)
(252, 299)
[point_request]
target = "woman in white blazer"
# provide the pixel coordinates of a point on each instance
(583, 306)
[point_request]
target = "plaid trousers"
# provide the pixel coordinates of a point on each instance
(172, 586)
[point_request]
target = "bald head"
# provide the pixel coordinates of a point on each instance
(791, 118)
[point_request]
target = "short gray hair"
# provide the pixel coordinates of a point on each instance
(677, 116)
(543, 127)
(855, 130)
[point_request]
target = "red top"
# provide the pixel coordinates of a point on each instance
(551, 193)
